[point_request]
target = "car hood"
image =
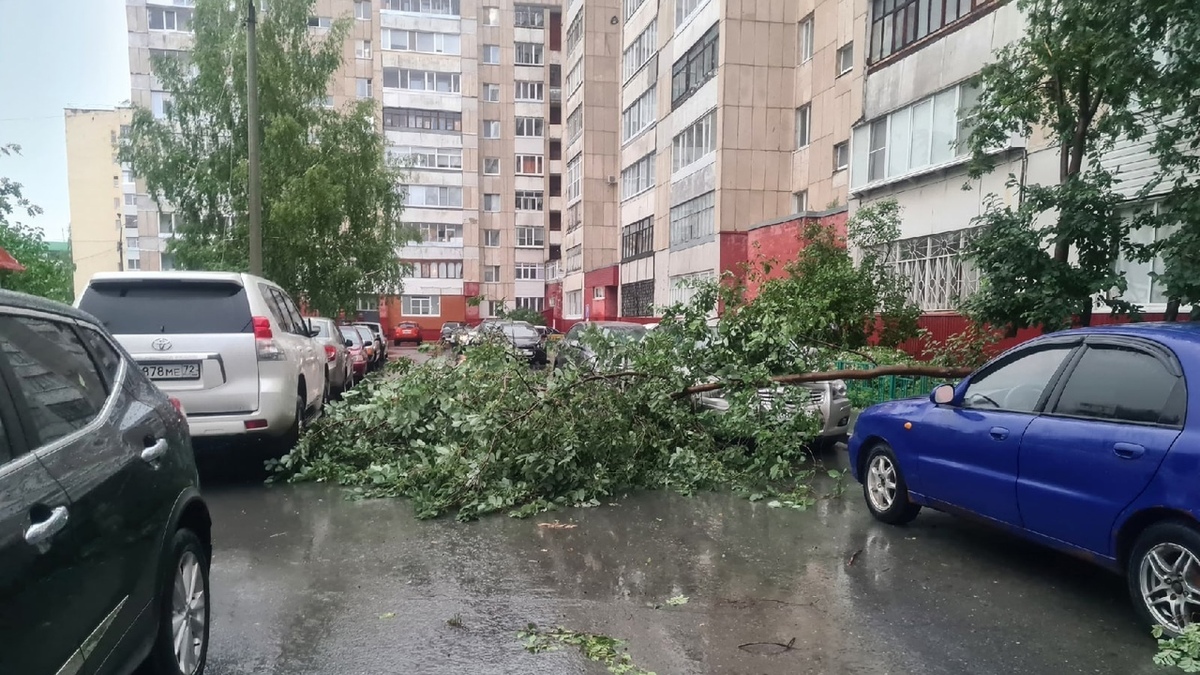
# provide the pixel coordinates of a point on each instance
(526, 342)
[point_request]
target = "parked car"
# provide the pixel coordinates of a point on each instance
(549, 334)
(105, 538)
(359, 360)
(450, 330)
(407, 331)
(339, 369)
(232, 347)
(525, 341)
(380, 337)
(571, 349)
(1084, 441)
(371, 345)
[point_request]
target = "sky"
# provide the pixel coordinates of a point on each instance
(55, 55)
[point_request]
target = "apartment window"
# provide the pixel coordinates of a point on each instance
(684, 10)
(574, 125)
(531, 237)
(527, 90)
(555, 75)
(491, 128)
(491, 238)
(166, 223)
(169, 19)
(320, 22)
(362, 10)
(575, 33)
(803, 126)
(637, 239)
(683, 286)
(429, 158)
(574, 216)
(696, 67)
(555, 148)
(327, 102)
(421, 80)
(529, 54)
(530, 165)
(431, 269)
(937, 268)
(362, 87)
(637, 177)
(491, 54)
(495, 307)
(423, 120)
(841, 156)
(440, 7)
(929, 133)
(574, 260)
(695, 142)
(491, 16)
(804, 37)
(575, 78)
(573, 305)
(845, 58)
(131, 242)
(160, 104)
(574, 178)
(642, 49)
(133, 264)
(533, 304)
(640, 115)
(530, 127)
(693, 219)
(166, 262)
(130, 200)
(529, 200)
(637, 298)
(526, 16)
(491, 274)
(491, 93)
(800, 201)
(1144, 288)
(131, 221)
(434, 196)
(440, 233)
(491, 203)
(529, 271)
(426, 42)
(896, 24)
(420, 305)
(632, 6)
(491, 166)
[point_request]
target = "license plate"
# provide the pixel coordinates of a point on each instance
(172, 371)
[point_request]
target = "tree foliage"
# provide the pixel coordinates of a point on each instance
(331, 203)
(46, 274)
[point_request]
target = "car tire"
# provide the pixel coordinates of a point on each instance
(1161, 556)
(292, 436)
(184, 595)
(885, 489)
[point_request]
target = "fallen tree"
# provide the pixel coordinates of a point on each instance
(853, 374)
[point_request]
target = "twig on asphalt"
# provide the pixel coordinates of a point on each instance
(853, 557)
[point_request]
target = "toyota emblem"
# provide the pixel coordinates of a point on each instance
(161, 344)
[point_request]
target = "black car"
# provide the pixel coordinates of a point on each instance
(104, 538)
(526, 341)
(451, 330)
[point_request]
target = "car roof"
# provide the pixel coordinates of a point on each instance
(32, 302)
(614, 324)
(235, 277)
(1161, 331)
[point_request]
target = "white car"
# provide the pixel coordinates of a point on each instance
(233, 348)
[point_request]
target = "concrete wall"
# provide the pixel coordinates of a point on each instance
(95, 187)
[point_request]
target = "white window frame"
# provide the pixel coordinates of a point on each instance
(491, 274)
(362, 49)
(399, 40)
(491, 166)
(532, 304)
(574, 178)
(420, 305)
(490, 16)
(845, 58)
(640, 51)
(539, 161)
(641, 115)
(575, 78)
(431, 81)
(363, 88)
(529, 54)
(694, 219)
(430, 159)
(841, 156)
(638, 177)
(489, 55)
(530, 127)
(803, 126)
(491, 238)
(320, 22)
(445, 197)
(428, 7)
(804, 40)
(491, 202)
(440, 233)
(529, 90)
(491, 92)
(632, 6)
(529, 271)
(362, 10)
(491, 129)
(133, 264)
(531, 237)
(573, 305)
(694, 143)
(684, 9)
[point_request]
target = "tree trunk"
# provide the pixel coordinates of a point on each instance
(1085, 317)
(868, 374)
(1172, 313)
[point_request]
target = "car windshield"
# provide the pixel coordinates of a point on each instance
(631, 333)
(520, 331)
(177, 307)
(352, 335)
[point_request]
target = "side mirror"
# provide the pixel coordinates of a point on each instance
(942, 394)
(349, 343)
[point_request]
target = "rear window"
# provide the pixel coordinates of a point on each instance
(321, 327)
(168, 306)
(352, 335)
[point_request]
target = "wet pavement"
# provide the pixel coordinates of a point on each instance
(306, 582)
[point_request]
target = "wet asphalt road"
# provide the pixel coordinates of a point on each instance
(306, 582)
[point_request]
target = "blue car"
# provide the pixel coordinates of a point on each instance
(1084, 440)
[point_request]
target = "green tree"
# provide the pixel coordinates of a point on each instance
(331, 201)
(527, 315)
(46, 274)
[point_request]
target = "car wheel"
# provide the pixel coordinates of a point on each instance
(181, 646)
(885, 489)
(1164, 576)
(327, 393)
(292, 437)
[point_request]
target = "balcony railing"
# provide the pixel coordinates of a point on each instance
(554, 271)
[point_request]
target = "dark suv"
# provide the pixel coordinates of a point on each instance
(104, 539)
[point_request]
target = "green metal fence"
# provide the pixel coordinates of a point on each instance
(863, 393)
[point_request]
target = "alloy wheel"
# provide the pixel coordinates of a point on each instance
(1169, 579)
(881, 482)
(188, 615)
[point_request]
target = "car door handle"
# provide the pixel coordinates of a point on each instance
(39, 534)
(1128, 450)
(998, 433)
(154, 452)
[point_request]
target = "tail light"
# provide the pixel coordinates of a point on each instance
(330, 352)
(264, 340)
(359, 356)
(177, 405)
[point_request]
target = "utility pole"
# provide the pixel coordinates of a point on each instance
(255, 188)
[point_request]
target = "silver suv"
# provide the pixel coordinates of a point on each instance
(233, 348)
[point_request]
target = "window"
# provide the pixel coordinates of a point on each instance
(845, 58)
(598, 293)
(169, 19)
(167, 223)
(491, 203)
(432, 196)
(529, 91)
(133, 264)
(683, 286)
(491, 166)
(421, 80)
(529, 271)
(574, 125)
(804, 38)
(362, 87)
(574, 178)
(431, 269)
(362, 10)
(800, 201)
(491, 93)
(362, 49)
(530, 237)
(574, 259)
(637, 298)
(422, 120)
(574, 216)
(495, 307)
(573, 304)
(684, 10)
(936, 267)
(637, 239)
(632, 6)
(491, 238)
(896, 24)
(131, 221)
(130, 200)
(160, 104)
(131, 242)
(440, 233)
(1017, 383)
(490, 54)
(1143, 286)
(429, 158)
(491, 16)
(695, 142)
(525, 16)
(1124, 385)
(694, 68)
(167, 261)
(529, 54)
(877, 151)
(320, 22)
(530, 127)
(420, 305)
(641, 50)
(693, 219)
(803, 126)
(530, 165)
(534, 304)
(638, 177)
(575, 33)
(491, 274)
(55, 375)
(424, 42)
(107, 358)
(442, 7)
(841, 156)
(639, 116)
(575, 78)
(529, 200)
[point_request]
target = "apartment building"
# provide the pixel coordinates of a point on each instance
(102, 194)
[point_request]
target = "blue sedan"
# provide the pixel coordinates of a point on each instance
(1084, 440)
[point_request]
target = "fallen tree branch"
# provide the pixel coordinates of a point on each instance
(867, 374)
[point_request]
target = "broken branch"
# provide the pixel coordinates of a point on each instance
(867, 374)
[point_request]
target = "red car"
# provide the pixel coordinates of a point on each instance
(358, 353)
(406, 331)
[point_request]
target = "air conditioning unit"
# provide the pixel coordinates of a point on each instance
(612, 180)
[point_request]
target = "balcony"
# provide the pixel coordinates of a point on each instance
(554, 271)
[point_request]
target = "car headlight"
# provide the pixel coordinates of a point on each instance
(837, 388)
